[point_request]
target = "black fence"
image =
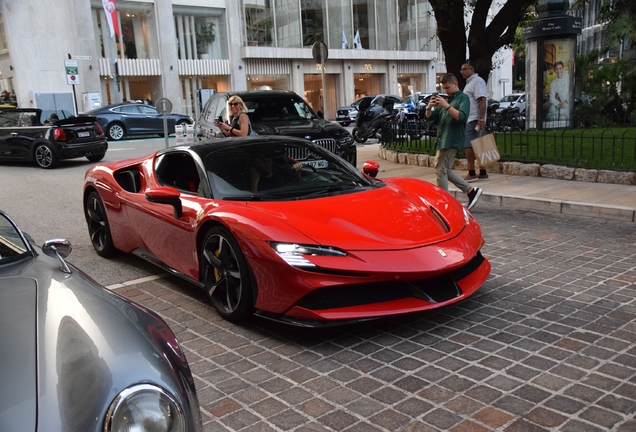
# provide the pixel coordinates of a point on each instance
(610, 148)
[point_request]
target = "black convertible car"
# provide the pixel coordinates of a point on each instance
(25, 136)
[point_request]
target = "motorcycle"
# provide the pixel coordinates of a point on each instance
(492, 117)
(512, 120)
(506, 120)
(370, 119)
(409, 121)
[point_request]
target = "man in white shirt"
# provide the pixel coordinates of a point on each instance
(559, 93)
(476, 91)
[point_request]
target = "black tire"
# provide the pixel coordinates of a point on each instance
(98, 228)
(226, 275)
(344, 124)
(45, 157)
(357, 137)
(96, 158)
(116, 132)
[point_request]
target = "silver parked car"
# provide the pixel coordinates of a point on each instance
(514, 100)
(78, 357)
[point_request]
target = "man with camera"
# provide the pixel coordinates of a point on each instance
(451, 132)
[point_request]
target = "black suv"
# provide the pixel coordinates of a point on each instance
(279, 112)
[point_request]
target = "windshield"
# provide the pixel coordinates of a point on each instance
(12, 245)
(280, 171)
(272, 109)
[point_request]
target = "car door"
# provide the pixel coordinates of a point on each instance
(206, 121)
(153, 123)
(132, 118)
(171, 239)
(17, 134)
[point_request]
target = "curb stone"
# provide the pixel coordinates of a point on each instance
(551, 171)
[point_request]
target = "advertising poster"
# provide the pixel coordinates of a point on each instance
(558, 80)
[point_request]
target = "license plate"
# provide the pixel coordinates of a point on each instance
(316, 163)
(83, 134)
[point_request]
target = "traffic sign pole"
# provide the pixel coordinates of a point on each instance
(72, 77)
(164, 106)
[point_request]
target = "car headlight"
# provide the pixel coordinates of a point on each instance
(293, 253)
(144, 407)
(344, 140)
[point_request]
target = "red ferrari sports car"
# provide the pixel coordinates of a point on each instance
(280, 227)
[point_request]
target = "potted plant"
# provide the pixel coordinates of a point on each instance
(205, 35)
(258, 24)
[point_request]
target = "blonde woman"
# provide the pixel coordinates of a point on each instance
(239, 121)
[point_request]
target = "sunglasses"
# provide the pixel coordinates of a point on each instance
(234, 103)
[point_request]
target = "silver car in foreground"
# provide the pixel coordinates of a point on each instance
(75, 356)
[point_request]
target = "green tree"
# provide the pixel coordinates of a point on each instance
(486, 33)
(612, 83)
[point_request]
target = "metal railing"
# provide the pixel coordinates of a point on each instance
(593, 148)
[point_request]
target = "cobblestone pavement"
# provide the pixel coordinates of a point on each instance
(547, 344)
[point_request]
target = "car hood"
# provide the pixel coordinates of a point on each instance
(303, 128)
(62, 337)
(402, 215)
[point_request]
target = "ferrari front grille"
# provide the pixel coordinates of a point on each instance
(434, 290)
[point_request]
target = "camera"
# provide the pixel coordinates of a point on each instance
(219, 119)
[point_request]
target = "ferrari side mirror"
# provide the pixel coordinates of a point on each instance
(166, 195)
(371, 168)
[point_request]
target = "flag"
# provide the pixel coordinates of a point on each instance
(356, 40)
(111, 16)
(344, 41)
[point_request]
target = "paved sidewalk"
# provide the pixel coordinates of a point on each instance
(602, 200)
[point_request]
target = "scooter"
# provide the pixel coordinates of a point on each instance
(492, 117)
(369, 122)
(409, 121)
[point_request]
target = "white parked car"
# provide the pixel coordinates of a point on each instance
(515, 100)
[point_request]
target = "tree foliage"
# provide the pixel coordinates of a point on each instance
(611, 84)
(484, 35)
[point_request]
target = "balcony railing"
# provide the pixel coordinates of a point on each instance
(152, 67)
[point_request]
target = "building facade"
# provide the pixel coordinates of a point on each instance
(185, 49)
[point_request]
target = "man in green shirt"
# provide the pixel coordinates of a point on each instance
(451, 115)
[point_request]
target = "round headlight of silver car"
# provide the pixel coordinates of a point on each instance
(144, 407)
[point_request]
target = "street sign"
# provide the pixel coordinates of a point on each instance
(78, 57)
(319, 52)
(164, 106)
(72, 73)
